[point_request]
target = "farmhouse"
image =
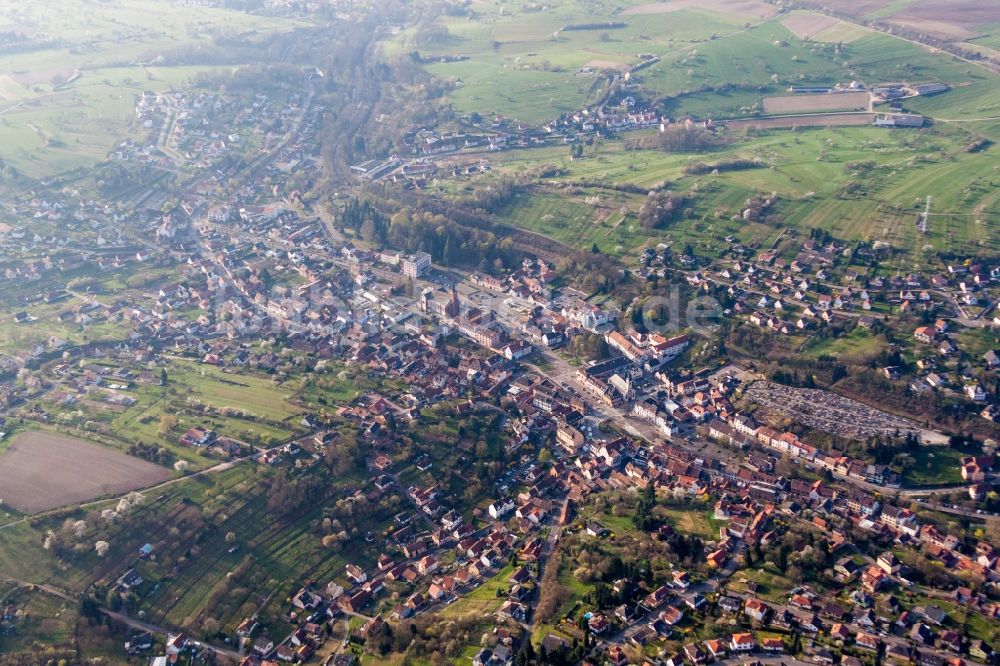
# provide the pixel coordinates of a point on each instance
(198, 436)
(898, 120)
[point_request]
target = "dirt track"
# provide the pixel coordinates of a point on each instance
(42, 471)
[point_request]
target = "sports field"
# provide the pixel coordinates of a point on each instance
(43, 470)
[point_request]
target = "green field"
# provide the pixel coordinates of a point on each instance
(711, 63)
(266, 413)
(934, 465)
(990, 36)
(483, 601)
(243, 406)
(282, 553)
(259, 396)
(970, 623)
(187, 579)
(771, 586)
(694, 522)
(342, 384)
(50, 622)
(51, 626)
(22, 556)
(46, 324)
(808, 169)
(542, 66)
(49, 123)
(574, 223)
(859, 344)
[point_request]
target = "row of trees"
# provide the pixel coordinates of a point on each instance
(687, 138)
(660, 208)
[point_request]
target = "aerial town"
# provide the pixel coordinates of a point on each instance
(339, 360)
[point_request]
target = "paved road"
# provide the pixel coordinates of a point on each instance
(120, 617)
(163, 631)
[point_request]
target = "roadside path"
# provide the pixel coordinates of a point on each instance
(120, 617)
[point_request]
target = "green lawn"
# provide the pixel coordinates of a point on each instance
(771, 586)
(694, 522)
(483, 601)
(859, 344)
(934, 465)
(260, 396)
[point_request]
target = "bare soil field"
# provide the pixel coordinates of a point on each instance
(946, 19)
(938, 29)
(42, 471)
(804, 26)
(750, 10)
(946, 13)
(852, 101)
(812, 120)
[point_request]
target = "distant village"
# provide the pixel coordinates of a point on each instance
(431, 151)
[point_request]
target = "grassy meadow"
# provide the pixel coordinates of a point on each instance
(715, 63)
(67, 98)
(712, 61)
(813, 171)
(245, 407)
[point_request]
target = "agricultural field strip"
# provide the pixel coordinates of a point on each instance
(43, 471)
